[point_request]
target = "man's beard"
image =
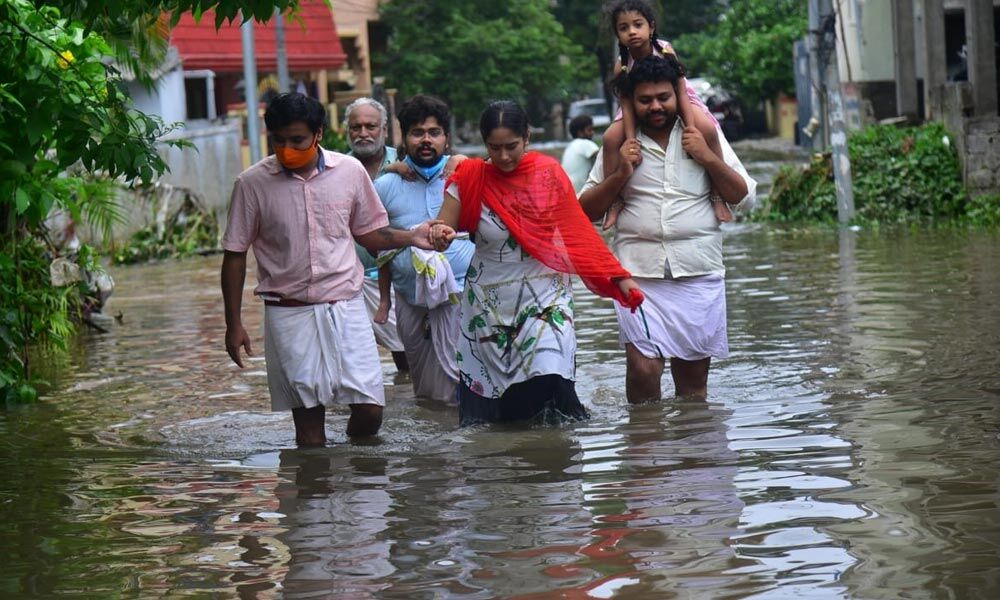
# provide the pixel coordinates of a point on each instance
(366, 148)
(667, 123)
(421, 161)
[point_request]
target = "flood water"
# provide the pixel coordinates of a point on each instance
(849, 449)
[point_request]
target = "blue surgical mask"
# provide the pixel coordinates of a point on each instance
(427, 173)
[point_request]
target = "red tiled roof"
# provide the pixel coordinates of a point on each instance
(310, 44)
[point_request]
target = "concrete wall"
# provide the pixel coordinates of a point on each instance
(977, 140)
(866, 53)
(981, 164)
(167, 99)
(209, 170)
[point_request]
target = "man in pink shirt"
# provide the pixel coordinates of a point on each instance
(301, 211)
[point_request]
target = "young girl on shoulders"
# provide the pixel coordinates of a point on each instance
(634, 24)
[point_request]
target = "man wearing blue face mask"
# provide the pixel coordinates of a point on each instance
(427, 321)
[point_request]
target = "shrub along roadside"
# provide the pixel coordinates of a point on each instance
(900, 175)
(66, 125)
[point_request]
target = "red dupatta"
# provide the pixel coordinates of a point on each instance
(537, 203)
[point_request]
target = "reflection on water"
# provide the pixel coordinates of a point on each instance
(848, 449)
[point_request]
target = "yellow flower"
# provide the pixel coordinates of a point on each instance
(66, 57)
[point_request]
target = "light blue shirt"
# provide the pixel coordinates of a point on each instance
(367, 260)
(410, 203)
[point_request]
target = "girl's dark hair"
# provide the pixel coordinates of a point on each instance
(616, 7)
(286, 109)
(611, 11)
(503, 113)
(421, 107)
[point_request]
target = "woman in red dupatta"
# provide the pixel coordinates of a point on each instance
(516, 356)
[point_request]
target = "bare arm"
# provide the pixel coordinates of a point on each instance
(452, 164)
(729, 184)
(444, 232)
(384, 294)
(234, 270)
(388, 238)
(451, 208)
(596, 200)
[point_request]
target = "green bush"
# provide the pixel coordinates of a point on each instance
(189, 229)
(34, 312)
(906, 174)
(984, 211)
(335, 139)
(802, 194)
(899, 175)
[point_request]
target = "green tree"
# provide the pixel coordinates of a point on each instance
(749, 49)
(469, 52)
(67, 128)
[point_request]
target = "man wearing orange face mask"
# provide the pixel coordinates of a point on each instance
(301, 210)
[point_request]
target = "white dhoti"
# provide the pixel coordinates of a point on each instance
(321, 354)
(430, 337)
(682, 318)
(385, 333)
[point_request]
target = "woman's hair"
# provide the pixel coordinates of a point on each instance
(503, 113)
(286, 109)
(421, 107)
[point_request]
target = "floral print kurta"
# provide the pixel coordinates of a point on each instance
(517, 315)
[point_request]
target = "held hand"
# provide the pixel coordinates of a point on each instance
(452, 164)
(421, 235)
(633, 295)
(631, 157)
(442, 236)
(235, 338)
(695, 145)
(403, 170)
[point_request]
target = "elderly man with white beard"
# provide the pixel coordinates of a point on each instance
(367, 126)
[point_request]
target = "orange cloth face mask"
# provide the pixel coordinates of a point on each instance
(293, 158)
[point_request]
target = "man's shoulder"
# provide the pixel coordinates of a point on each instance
(347, 162)
(263, 168)
(388, 183)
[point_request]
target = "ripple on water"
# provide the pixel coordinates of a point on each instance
(847, 450)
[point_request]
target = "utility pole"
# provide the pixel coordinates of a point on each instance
(934, 59)
(905, 58)
(280, 54)
(817, 125)
(250, 89)
(835, 121)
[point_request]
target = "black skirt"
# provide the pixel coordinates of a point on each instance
(549, 399)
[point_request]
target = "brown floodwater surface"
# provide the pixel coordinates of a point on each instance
(848, 449)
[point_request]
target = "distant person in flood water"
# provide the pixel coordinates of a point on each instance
(668, 235)
(301, 210)
(578, 157)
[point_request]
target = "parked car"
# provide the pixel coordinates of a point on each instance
(725, 106)
(596, 108)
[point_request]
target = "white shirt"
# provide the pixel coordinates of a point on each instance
(668, 224)
(577, 159)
